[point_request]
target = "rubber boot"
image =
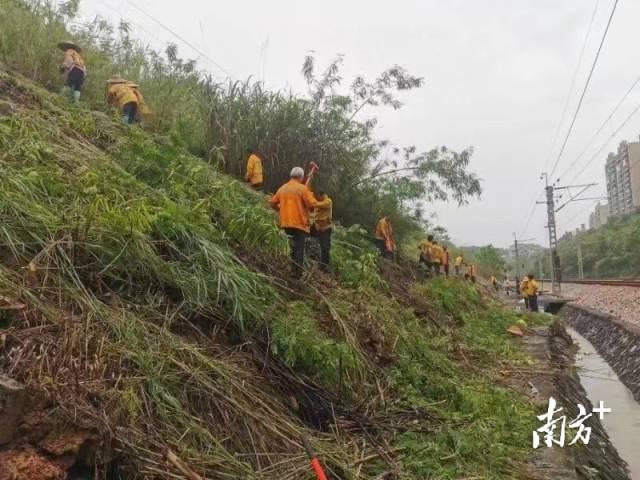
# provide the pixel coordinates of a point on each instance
(125, 119)
(66, 92)
(76, 96)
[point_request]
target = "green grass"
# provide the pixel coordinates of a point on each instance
(139, 264)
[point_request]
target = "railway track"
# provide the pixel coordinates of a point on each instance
(615, 283)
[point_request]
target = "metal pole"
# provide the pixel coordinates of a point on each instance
(553, 241)
(515, 242)
(541, 272)
(580, 266)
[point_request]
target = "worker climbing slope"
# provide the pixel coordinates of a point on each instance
(127, 98)
(436, 258)
(425, 248)
(74, 70)
(383, 237)
(254, 175)
(294, 201)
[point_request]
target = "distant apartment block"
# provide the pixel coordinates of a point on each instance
(623, 179)
(599, 216)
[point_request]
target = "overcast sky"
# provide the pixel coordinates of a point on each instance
(497, 76)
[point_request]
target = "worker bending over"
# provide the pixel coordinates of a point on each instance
(532, 293)
(254, 175)
(322, 227)
(471, 273)
(126, 97)
(458, 265)
(494, 282)
(384, 237)
(74, 70)
(294, 201)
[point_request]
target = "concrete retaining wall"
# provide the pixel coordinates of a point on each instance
(617, 341)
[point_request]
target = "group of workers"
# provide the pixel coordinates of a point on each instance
(119, 93)
(529, 289)
(303, 213)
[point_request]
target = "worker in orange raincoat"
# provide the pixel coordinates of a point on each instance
(294, 201)
(254, 175)
(74, 70)
(322, 227)
(126, 97)
(471, 273)
(384, 237)
(425, 248)
(437, 254)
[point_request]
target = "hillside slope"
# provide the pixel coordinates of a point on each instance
(146, 307)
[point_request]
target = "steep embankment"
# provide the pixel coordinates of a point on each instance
(145, 307)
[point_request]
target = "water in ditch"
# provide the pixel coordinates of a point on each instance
(602, 383)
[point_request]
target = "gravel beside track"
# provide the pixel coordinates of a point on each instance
(620, 302)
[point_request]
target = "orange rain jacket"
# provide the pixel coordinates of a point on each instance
(437, 252)
(322, 216)
(254, 170)
(294, 200)
(384, 230)
(119, 94)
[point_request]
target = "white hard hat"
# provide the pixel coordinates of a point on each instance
(297, 172)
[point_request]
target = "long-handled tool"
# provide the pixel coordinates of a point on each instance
(315, 463)
(313, 168)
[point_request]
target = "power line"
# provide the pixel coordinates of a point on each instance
(533, 209)
(586, 86)
(604, 145)
(573, 82)
(182, 39)
(604, 124)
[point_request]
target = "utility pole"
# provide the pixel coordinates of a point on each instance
(515, 243)
(556, 271)
(580, 266)
(540, 271)
(553, 236)
(517, 252)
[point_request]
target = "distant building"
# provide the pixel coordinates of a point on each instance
(599, 216)
(623, 179)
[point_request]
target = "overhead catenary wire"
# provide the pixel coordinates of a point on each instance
(604, 124)
(530, 217)
(181, 38)
(606, 143)
(566, 106)
(573, 82)
(584, 90)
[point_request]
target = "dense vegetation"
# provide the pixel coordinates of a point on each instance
(155, 285)
(608, 252)
(152, 306)
(219, 120)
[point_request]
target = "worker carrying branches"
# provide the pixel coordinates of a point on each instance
(254, 175)
(74, 70)
(383, 237)
(294, 201)
(127, 98)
